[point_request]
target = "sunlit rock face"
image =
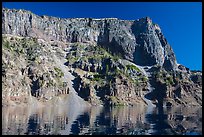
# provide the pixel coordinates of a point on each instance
(152, 47)
(101, 61)
(140, 41)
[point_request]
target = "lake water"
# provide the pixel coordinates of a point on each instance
(137, 120)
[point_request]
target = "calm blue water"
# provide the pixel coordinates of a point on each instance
(101, 121)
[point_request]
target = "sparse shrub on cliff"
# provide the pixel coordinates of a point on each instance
(133, 67)
(59, 72)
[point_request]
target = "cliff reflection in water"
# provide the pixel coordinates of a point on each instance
(99, 120)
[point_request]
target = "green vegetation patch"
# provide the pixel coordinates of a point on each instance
(98, 77)
(165, 77)
(133, 67)
(169, 80)
(6, 45)
(144, 79)
(59, 72)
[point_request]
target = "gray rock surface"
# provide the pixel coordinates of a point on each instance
(140, 41)
(102, 61)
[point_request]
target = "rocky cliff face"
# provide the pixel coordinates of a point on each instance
(140, 41)
(104, 61)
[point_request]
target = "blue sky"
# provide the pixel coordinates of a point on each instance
(181, 22)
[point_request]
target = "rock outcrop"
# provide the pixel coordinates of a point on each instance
(104, 61)
(140, 41)
(174, 88)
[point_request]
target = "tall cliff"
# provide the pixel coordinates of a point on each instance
(140, 41)
(101, 61)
